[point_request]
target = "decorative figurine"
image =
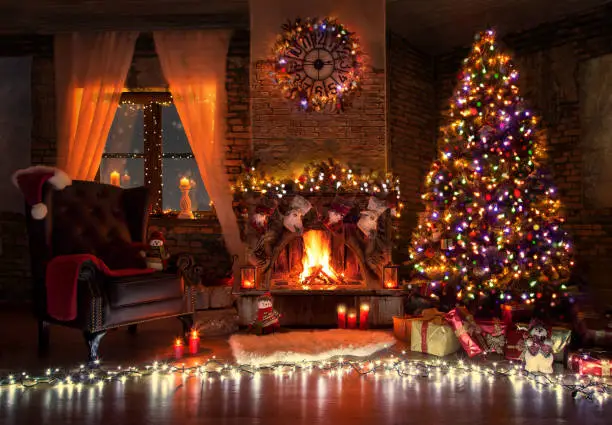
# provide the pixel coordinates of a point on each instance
(267, 318)
(157, 255)
(538, 349)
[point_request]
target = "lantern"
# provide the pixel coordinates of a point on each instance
(390, 279)
(247, 277)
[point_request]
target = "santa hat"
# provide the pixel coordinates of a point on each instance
(157, 236)
(31, 181)
(340, 207)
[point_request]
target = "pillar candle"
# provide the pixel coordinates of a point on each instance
(364, 312)
(178, 348)
(115, 178)
(352, 319)
(125, 180)
(341, 316)
(194, 342)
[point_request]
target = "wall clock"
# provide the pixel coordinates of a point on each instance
(318, 63)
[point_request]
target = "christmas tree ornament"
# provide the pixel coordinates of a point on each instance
(31, 181)
(267, 319)
(538, 351)
(298, 208)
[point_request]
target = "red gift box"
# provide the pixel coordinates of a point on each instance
(467, 330)
(515, 343)
(597, 363)
(514, 313)
(494, 335)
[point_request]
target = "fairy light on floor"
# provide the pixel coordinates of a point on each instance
(395, 366)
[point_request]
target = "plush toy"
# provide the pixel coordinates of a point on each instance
(538, 349)
(157, 255)
(261, 216)
(267, 318)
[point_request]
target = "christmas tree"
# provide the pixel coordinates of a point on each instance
(491, 224)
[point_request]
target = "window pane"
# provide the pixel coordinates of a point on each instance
(131, 171)
(174, 138)
(174, 170)
(127, 132)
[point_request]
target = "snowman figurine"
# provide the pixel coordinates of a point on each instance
(157, 255)
(267, 318)
(538, 349)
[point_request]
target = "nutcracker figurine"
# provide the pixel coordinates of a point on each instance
(157, 255)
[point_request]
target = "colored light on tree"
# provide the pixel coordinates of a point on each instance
(492, 222)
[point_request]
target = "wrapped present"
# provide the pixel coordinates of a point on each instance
(402, 327)
(561, 337)
(432, 335)
(515, 342)
(467, 330)
(598, 363)
(494, 334)
(515, 313)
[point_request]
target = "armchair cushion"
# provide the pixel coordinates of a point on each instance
(123, 255)
(62, 277)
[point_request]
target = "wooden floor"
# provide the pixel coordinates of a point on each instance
(309, 398)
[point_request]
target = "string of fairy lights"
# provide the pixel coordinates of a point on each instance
(395, 365)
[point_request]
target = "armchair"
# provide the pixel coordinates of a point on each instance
(90, 227)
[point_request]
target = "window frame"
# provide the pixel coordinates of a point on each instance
(153, 155)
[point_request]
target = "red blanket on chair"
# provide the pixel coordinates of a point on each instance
(61, 282)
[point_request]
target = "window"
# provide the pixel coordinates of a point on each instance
(147, 146)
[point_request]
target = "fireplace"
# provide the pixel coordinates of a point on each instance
(313, 251)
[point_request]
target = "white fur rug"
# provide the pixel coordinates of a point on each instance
(298, 346)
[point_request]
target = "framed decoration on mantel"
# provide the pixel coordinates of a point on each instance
(318, 64)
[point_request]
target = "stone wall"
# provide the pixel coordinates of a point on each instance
(411, 123)
(564, 79)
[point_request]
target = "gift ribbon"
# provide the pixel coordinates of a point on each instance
(424, 327)
(605, 368)
(495, 343)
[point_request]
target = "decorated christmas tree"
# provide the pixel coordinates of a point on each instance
(491, 224)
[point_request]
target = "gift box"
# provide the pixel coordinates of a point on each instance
(515, 342)
(467, 331)
(494, 334)
(432, 335)
(598, 363)
(402, 327)
(561, 338)
(515, 313)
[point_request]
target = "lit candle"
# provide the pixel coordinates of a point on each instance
(390, 284)
(178, 348)
(364, 312)
(352, 319)
(125, 180)
(341, 316)
(185, 183)
(115, 178)
(194, 342)
(248, 284)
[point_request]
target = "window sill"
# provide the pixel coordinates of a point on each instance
(205, 218)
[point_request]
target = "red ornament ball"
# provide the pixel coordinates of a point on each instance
(488, 197)
(429, 253)
(517, 193)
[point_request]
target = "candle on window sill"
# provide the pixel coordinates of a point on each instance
(185, 183)
(194, 342)
(351, 320)
(341, 316)
(115, 178)
(125, 180)
(179, 349)
(364, 312)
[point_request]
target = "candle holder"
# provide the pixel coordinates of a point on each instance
(390, 277)
(248, 277)
(185, 203)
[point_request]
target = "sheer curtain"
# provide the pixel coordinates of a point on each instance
(193, 63)
(90, 72)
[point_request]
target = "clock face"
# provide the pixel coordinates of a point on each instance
(320, 63)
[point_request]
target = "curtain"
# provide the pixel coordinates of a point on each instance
(90, 72)
(193, 63)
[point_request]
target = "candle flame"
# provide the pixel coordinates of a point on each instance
(178, 342)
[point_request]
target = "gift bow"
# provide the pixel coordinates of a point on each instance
(495, 343)
(432, 315)
(467, 326)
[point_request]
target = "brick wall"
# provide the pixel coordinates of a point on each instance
(285, 138)
(411, 125)
(550, 59)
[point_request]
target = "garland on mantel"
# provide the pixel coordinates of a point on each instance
(325, 177)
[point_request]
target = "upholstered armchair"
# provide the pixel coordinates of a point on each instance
(87, 268)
